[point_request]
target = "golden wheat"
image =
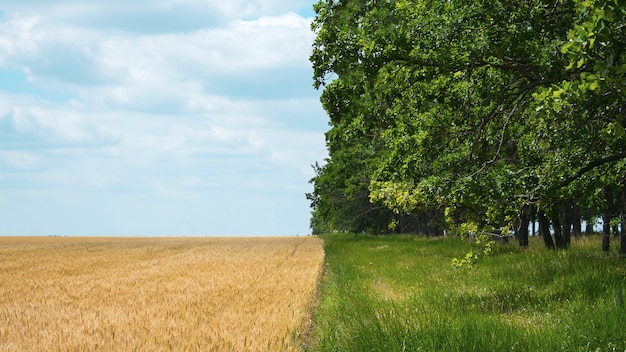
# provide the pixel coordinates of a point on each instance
(156, 294)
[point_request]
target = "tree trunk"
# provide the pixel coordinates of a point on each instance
(576, 221)
(398, 221)
(558, 234)
(606, 230)
(522, 232)
(532, 212)
(622, 242)
(612, 209)
(588, 227)
(544, 230)
(565, 218)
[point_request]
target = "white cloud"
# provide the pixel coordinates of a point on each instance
(170, 128)
(134, 71)
(152, 16)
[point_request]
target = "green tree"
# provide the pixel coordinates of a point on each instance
(340, 199)
(589, 105)
(479, 110)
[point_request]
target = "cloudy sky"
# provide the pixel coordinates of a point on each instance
(157, 117)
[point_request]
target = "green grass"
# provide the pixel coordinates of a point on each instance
(401, 293)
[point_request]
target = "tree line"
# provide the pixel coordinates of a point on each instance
(472, 117)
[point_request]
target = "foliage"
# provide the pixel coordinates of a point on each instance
(482, 108)
(340, 199)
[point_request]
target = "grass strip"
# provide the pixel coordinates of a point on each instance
(400, 293)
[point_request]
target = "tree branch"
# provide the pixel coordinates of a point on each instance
(592, 165)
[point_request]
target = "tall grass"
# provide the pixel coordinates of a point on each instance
(402, 294)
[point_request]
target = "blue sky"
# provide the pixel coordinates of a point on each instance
(159, 117)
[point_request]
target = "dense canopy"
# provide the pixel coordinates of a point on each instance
(471, 116)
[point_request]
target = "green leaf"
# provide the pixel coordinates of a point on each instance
(567, 47)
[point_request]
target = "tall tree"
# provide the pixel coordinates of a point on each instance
(483, 109)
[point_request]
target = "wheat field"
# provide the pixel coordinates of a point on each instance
(157, 294)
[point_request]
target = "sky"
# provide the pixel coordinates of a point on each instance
(157, 117)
